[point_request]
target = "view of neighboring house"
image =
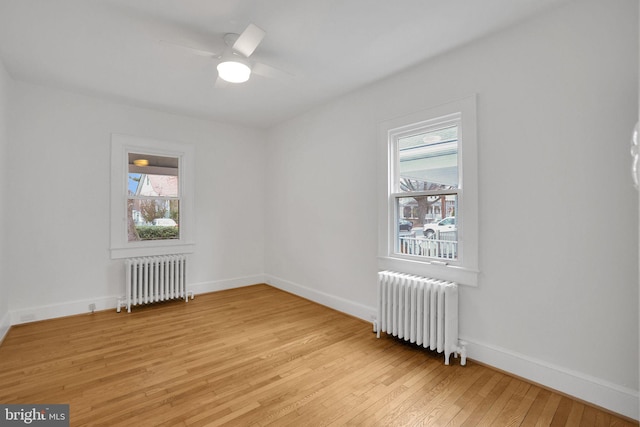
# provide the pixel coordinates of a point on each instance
(153, 197)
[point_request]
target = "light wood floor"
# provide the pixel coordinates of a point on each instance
(259, 356)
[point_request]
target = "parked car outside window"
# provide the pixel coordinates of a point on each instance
(447, 224)
(164, 222)
(405, 225)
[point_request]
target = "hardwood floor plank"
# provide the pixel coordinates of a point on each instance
(517, 407)
(324, 408)
(257, 356)
(561, 415)
(549, 410)
(498, 406)
(535, 411)
(428, 408)
(577, 409)
(477, 395)
(378, 397)
(487, 402)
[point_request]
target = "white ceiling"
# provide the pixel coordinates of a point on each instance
(113, 49)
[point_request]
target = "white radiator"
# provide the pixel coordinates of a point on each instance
(153, 279)
(420, 310)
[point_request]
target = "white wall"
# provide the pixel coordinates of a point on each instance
(59, 260)
(558, 288)
(5, 80)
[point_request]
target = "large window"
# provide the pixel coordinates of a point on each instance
(151, 197)
(429, 223)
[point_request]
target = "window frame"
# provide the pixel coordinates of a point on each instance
(464, 269)
(121, 146)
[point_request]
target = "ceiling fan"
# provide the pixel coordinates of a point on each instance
(234, 65)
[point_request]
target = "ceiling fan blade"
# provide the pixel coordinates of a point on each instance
(193, 50)
(249, 40)
(269, 71)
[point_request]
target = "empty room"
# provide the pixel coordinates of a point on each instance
(299, 212)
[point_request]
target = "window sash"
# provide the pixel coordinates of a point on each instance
(426, 126)
(450, 252)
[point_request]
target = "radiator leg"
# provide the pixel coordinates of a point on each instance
(120, 304)
(463, 353)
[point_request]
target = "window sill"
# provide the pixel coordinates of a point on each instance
(152, 249)
(455, 273)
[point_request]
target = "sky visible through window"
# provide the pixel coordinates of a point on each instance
(134, 178)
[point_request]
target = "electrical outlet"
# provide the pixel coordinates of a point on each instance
(92, 307)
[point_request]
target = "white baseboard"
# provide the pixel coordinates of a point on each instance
(221, 285)
(52, 311)
(34, 314)
(337, 303)
(5, 324)
(596, 391)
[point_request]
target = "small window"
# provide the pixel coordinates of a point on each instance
(152, 198)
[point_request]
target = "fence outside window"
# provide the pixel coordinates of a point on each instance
(443, 245)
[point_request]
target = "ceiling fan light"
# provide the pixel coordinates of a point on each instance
(234, 71)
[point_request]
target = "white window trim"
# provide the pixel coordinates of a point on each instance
(121, 145)
(465, 271)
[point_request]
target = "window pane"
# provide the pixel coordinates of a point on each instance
(141, 184)
(153, 219)
(153, 176)
(429, 160)
(427, 226)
